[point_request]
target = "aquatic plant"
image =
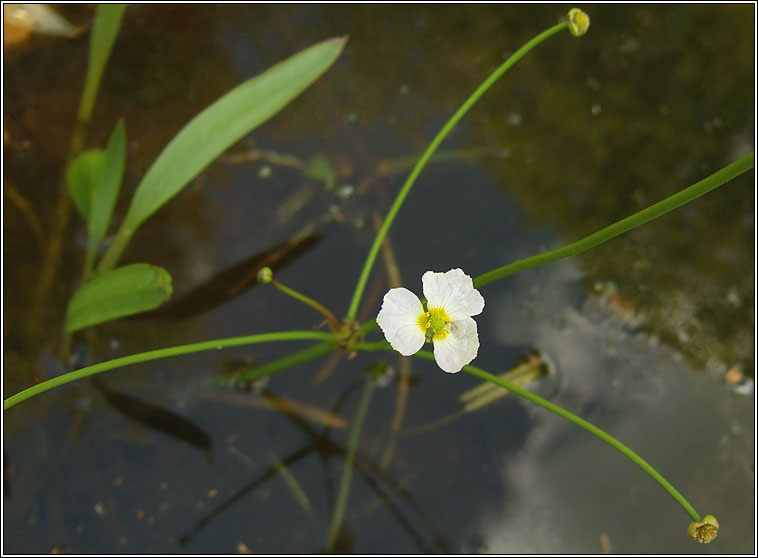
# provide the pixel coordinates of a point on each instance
(109, 292)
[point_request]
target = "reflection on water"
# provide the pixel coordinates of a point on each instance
(579, 134)
(569, 491)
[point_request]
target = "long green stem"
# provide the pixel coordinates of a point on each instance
(698, 189)
(165, 353)
(344, 489)
(443, 133)
(580, 422)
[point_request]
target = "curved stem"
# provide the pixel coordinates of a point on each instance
(317, 306)
(561, 412)
(373, 252)
(682, 197)
(163, 353)
(581, 423)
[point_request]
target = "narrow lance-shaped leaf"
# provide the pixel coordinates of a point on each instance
(122, 292)
(82, 178)
(216, 128)
(105, 194)
(104, 32)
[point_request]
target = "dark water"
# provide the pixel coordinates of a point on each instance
(576, 136)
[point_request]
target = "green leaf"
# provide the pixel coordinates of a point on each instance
(82, 178)
(106, 192)
(104, 32)
(216, 128)
(121, 292)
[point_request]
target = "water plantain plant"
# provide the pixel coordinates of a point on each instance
(443, 317)
(94, 177)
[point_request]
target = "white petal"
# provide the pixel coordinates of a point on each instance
(459, 347)
(398, 320)
(454, 291)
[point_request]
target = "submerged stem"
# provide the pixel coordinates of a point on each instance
(288, 361)
(344, 489)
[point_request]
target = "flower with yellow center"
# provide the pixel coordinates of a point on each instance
(445, 319)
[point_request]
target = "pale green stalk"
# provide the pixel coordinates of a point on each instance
(443, 133)
(289, 479)
(344, 489)
(165, 353)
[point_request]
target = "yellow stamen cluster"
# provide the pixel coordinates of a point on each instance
(704, 531)
(434, 323)
(579, 22)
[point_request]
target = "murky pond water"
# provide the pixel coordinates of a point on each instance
(639, 332)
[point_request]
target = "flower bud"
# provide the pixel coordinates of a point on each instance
(579, 22)
(265, 275)
(704, 531)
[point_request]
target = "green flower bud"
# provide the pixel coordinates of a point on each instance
(265, 275)
(579, 22)
(704, 531)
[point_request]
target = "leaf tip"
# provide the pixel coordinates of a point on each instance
(342, 40)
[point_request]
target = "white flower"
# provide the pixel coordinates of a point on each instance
(451, 300)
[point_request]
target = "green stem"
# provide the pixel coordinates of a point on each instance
(580, 422)
(118, 245)
(288, 361)
(368, 326)
(374, 251)
(712, 182)
(371, 347)
(317, 306)
(344, 489)
(165, 353)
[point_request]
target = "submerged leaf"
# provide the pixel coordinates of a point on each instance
(530, 369)
(284, 405)
(233, 281)
(319, 168)
(289, 479)
(122, 292)
(156, 418)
